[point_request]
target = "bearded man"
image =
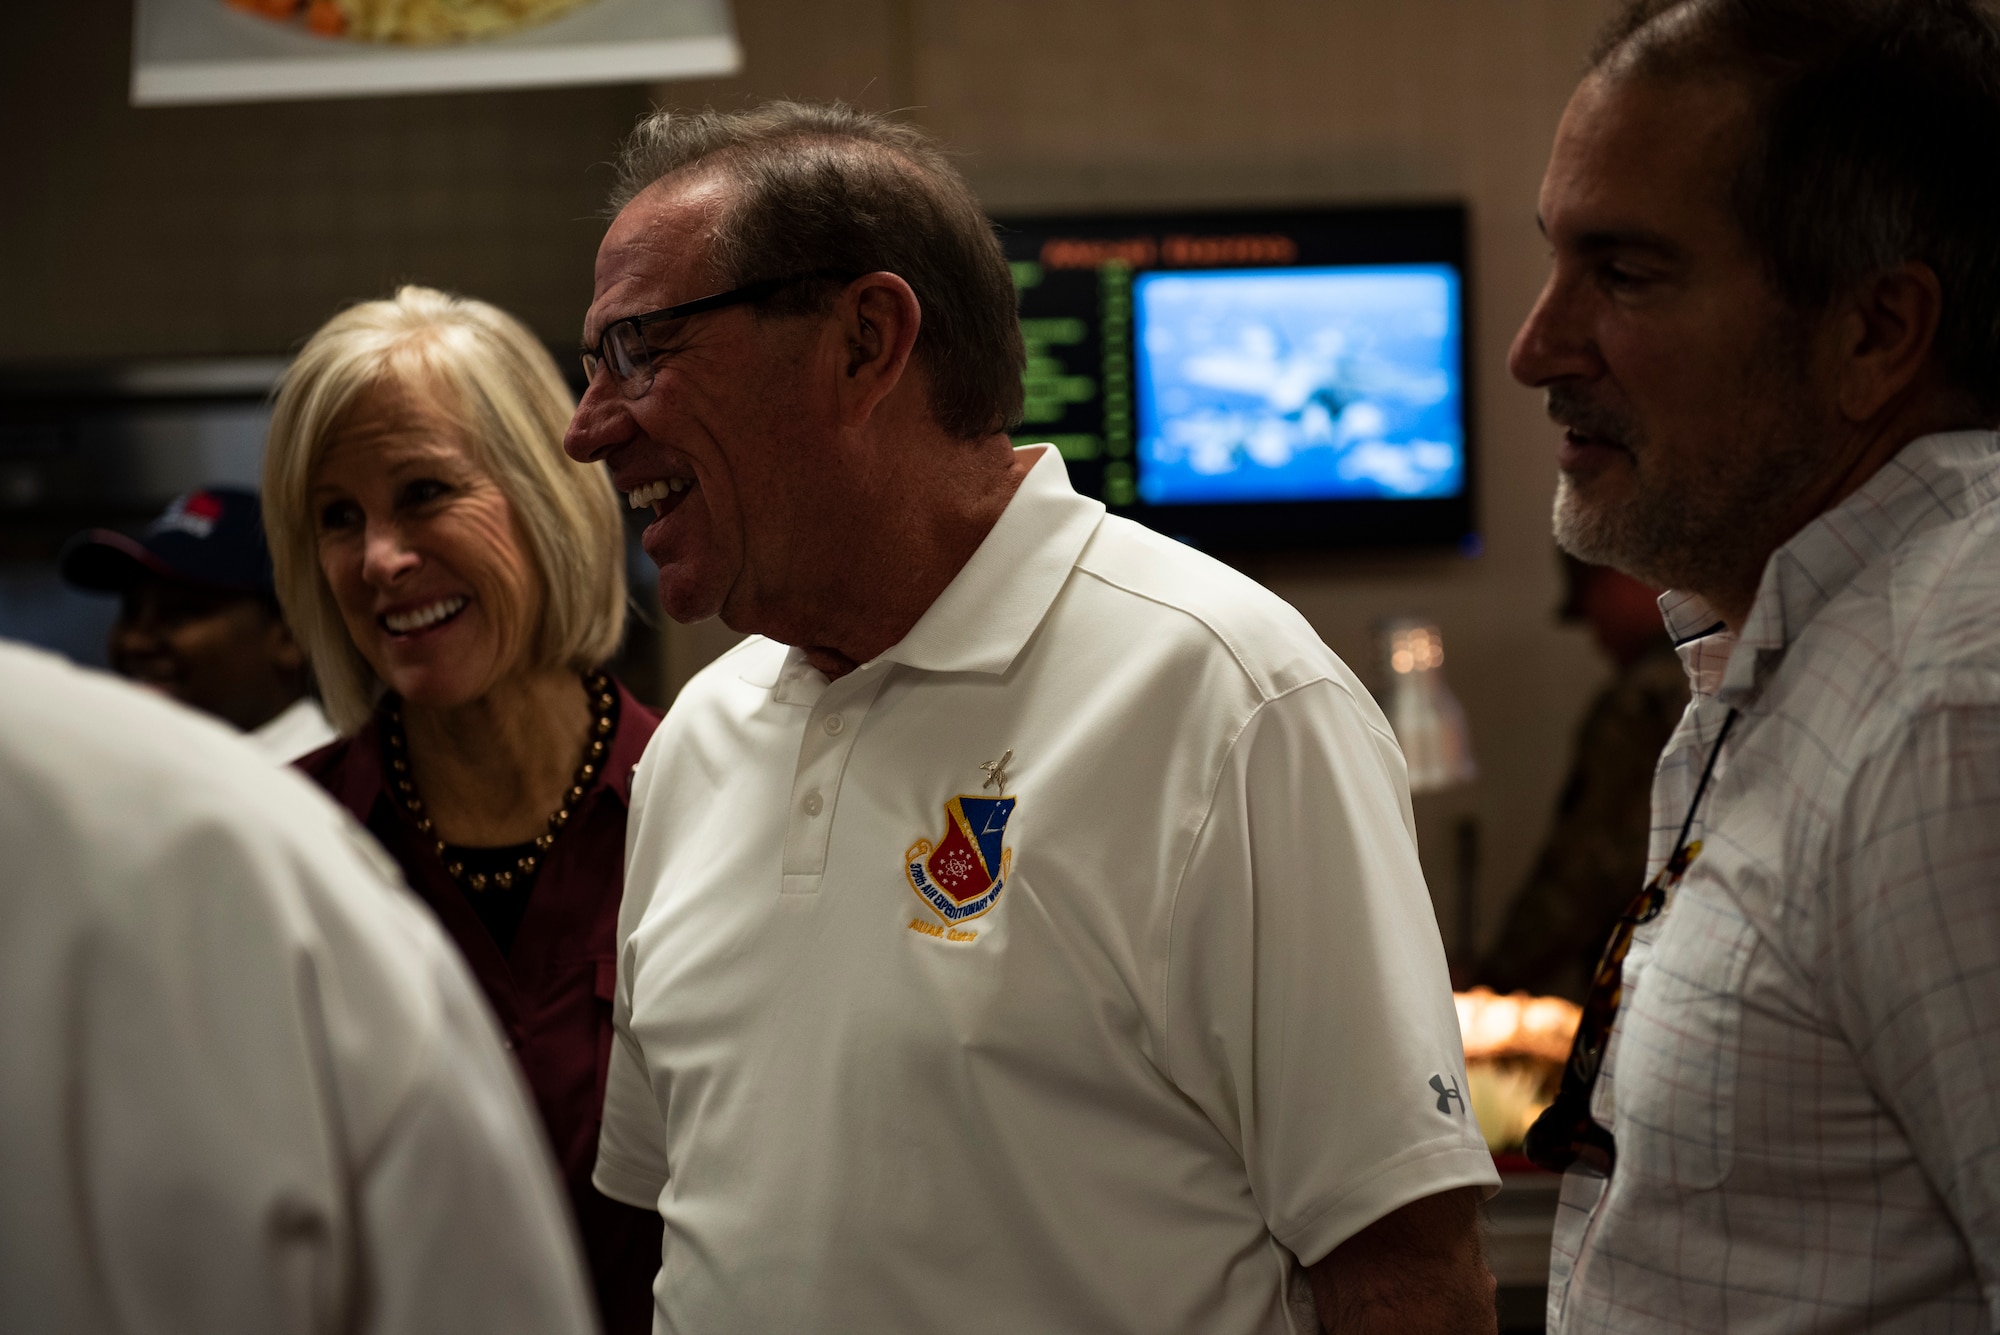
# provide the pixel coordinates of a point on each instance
(1771, 334)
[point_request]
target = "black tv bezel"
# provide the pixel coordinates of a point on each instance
(1326, 235)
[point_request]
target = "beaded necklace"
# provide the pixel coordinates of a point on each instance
(603, 704)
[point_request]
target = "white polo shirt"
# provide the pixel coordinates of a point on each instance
(246, 1084)
(1111, 1045)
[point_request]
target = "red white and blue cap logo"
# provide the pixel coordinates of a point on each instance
(193, 514)
(962, 875)
(213, 536)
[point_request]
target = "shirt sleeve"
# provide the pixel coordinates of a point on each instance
(460, 1208)
(631, 1149)
(1914, 940)
(1309, 1012)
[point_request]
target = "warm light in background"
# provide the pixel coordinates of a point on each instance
(1415, 648)
(1515, 1046)
(1427, 718)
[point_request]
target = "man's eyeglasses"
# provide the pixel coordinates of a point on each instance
(623, 347)
(1566, 1133)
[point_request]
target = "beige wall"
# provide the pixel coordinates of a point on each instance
(237, 229)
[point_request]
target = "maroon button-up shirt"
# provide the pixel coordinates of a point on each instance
(553, 992)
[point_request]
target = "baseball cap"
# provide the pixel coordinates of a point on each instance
(212, 536)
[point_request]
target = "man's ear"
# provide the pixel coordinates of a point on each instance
(1886, 331)
(879, 318)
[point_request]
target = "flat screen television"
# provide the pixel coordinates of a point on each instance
(1278, 379)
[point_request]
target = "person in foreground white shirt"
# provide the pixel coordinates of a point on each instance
(245, 1083)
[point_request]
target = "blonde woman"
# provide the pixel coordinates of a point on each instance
(457, 583)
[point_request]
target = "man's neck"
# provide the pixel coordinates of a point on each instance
(903, 555)
(1861, 458)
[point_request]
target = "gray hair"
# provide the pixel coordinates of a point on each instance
(827, 187)
(1876, 142)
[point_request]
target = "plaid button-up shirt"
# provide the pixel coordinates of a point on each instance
(1804, 1080)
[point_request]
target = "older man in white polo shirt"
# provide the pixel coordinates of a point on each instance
(1025, 931)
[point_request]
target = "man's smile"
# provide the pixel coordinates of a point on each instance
(663, 495)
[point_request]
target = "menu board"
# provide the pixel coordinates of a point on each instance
(1255, 379)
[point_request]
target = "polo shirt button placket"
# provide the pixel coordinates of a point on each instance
(823, 755)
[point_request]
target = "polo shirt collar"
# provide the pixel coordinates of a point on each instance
(993, 605)
(996, 601)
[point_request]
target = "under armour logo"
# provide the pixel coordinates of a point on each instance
(1445, 1096)
(996, 772)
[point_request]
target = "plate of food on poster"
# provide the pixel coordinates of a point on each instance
(408, 21)
(194, 51)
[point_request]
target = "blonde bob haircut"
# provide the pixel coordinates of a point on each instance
(482, 368)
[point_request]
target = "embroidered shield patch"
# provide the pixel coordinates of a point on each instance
(962, 875)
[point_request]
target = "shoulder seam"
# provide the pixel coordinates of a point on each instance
(1264, 696)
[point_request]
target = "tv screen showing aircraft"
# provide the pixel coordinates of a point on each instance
(1259, 379)
(1297, 384)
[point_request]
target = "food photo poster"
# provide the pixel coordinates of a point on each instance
(194, 51)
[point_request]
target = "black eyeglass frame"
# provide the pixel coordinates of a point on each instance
(636, 381)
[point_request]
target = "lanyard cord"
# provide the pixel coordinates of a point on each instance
(1566, 1133)
(1694, 805)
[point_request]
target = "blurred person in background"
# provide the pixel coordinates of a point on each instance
(1594, 855)
(459, 582)
(198, 620)
(246, 1086)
